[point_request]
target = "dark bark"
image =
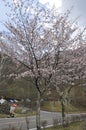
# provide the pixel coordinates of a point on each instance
(63, 112)
(38, 125)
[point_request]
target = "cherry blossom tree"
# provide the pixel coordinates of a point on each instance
(70, 72)
(36, 38)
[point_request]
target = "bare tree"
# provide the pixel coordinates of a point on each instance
(36, 36)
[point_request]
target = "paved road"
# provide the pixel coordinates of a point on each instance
(21, 122)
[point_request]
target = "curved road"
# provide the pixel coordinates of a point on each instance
(21, 121)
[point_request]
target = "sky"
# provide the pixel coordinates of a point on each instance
(50, 3)
(78, 10)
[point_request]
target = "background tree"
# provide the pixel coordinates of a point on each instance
(72, 73)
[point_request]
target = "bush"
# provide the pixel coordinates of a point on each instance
(44, 123)
(56, 122)
(4, 108)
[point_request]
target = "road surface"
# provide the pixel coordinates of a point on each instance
(21, 121)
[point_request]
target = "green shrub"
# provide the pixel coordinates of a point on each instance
(4, 108)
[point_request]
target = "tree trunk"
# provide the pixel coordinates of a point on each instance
(63, 112)
(38, 125)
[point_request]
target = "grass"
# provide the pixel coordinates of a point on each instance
(72, 126)
(49, 106)
(3, 115)
(18, 113)
(30, 113)
(56, 106)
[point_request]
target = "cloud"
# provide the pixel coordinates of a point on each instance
(50, 3)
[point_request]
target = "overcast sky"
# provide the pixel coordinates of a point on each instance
(79, 9)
